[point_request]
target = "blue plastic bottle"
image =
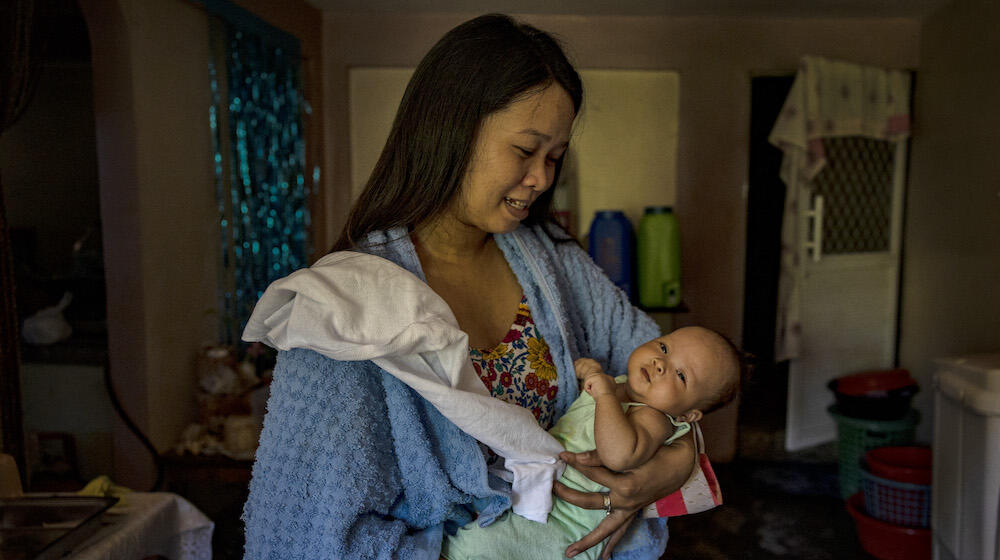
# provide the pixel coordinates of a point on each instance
(611, 246)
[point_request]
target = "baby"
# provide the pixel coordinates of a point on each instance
(670, 383)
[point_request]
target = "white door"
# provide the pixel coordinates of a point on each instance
(849, 278)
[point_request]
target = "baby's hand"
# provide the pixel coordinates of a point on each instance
(599, 383)
(586, 366)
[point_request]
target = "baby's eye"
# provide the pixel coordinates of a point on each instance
(682, 376)
(663, 347)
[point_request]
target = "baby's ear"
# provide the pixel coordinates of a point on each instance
(690, 416)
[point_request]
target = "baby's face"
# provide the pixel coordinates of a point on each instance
(676, 372)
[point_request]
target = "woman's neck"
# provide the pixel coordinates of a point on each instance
(449, 241)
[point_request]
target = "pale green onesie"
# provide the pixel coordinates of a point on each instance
(512, 537)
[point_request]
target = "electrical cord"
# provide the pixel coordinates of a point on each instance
(132, 426)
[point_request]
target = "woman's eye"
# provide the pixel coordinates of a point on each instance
(525, 151)
(682, 376)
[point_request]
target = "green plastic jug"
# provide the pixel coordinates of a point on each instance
(659, 256)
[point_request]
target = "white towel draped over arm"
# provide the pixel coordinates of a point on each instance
(354, 306)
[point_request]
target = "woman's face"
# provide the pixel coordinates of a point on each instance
(514, 160)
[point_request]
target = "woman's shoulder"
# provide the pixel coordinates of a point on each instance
(550, 242)
(380, 238)
(392, 244)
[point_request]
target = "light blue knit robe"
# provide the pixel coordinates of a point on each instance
(354, 464)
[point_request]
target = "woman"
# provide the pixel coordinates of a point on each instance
(460, 197)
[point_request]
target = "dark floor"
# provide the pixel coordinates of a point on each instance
(776, 504)
(772, 509)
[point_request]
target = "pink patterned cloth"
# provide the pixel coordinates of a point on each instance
(838, 98)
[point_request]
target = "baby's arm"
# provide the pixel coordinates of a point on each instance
(623, 441)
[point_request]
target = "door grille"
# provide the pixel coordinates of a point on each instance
(856, 185)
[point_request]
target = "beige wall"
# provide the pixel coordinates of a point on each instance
(951, 272)
(626, 135)
(177, 203)
(715, 58)
(151, 97)
(157, 205)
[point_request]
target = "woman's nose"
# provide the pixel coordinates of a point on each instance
(539, 175)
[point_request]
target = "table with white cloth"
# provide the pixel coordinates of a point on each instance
(148, 524)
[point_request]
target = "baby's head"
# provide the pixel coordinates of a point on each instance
(687, 373)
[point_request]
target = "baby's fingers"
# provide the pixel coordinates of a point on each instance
(585, 366)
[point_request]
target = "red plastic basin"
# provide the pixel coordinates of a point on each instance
(875, 395)
(903, 464)
(885, 541)
(869, 382)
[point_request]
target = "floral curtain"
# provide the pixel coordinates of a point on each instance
(828, 99)
(261, 188)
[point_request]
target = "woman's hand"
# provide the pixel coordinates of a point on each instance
(629, 491)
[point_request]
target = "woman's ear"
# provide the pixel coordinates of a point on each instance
(690, 416)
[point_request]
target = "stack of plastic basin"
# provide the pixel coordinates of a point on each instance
(892, 513)
(873, 410)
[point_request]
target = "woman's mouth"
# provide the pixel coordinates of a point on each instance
(516, 204)
(518, 208)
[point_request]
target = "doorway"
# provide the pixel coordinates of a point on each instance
(51, 186)
(763, 406)
(846, 281)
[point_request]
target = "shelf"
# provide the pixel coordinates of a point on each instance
(682, 308)
(89, 349)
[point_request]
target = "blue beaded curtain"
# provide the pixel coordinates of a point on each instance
(261, 188)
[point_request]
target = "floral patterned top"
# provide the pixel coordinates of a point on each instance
(519, 370)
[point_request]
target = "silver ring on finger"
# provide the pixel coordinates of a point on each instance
(607, 503)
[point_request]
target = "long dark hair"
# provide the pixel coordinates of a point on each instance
(477, 68)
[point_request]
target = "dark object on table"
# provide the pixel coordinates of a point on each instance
(55, 469)
(875, 395)
(41, 528)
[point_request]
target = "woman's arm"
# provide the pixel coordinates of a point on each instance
(326, 476)
(629, 491)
